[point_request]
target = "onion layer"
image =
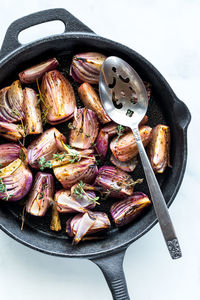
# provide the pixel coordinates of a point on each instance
(118, 183)
(44, 146)
(41, 194)
(59, 97)
(36, 72)
(125, 211)
(33, 120)
(16, 180)
(84, 129)
(159, 148)
(92, 101)
(86, 67)
(125, 148)
(12, 132)
(70, 174)
(86, 224)
(9, 153)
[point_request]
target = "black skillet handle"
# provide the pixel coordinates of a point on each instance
(71, 23)
(182, 114)
(112, 268)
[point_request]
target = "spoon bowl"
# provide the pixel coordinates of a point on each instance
(122, 92)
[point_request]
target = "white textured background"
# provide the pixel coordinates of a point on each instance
(167, 34)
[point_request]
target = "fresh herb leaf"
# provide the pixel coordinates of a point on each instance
(59, 156)
(44, 164)
(120, 131)
(74, 157)
(2, 186)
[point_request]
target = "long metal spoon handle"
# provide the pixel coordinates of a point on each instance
(158, 201)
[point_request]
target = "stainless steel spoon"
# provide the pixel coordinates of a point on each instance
(118, 81)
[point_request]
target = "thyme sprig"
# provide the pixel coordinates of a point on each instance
(44, 163)
(3, 189)
(80, 193)
(120, 131)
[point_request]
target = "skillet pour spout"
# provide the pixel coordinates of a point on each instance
(107, 253)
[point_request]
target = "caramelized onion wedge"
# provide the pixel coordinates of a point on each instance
(86, 224)
(59, 97)
(67, 202)
(118, 183)
(55, 219)
(36, 72)
(12, 132)
(44, 146)
(33, 120)
(86, 67)
(159, 148)
(16, 180)
(125, 211)
(70, 174)
(92, 101)
(41, 195)
(9, 152)
(16, 100)
(84, 129)
(125, 148)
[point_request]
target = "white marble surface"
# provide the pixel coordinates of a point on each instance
(167, 34)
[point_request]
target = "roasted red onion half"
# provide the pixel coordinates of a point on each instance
(68, 202)
(92, 101)
(118, 183)
(12, 132)
(41, 195)
(125, 148)
(86, 67)
(11, 103)
(36, 72)
(55, 219)
(43, 147)
(15, 181)
(58, 97)
(72, 173)
(108, 131)
(10, 152)
(127, 166)
(86, 224)
(33, 120)
(159, 148)
(125, 211)
(84, 129)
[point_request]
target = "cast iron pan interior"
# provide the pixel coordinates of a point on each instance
(36, 232)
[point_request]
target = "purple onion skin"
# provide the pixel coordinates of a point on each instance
(102, 144)
(44, 146)
(8, 153)
(16, 100)
(86, 67)
(125, 211)
(36, 72)
(85, 129)
(7, 113)
(17, 179)
(118, 182)
(41, 194)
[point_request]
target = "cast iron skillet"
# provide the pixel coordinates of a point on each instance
(165, 107)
